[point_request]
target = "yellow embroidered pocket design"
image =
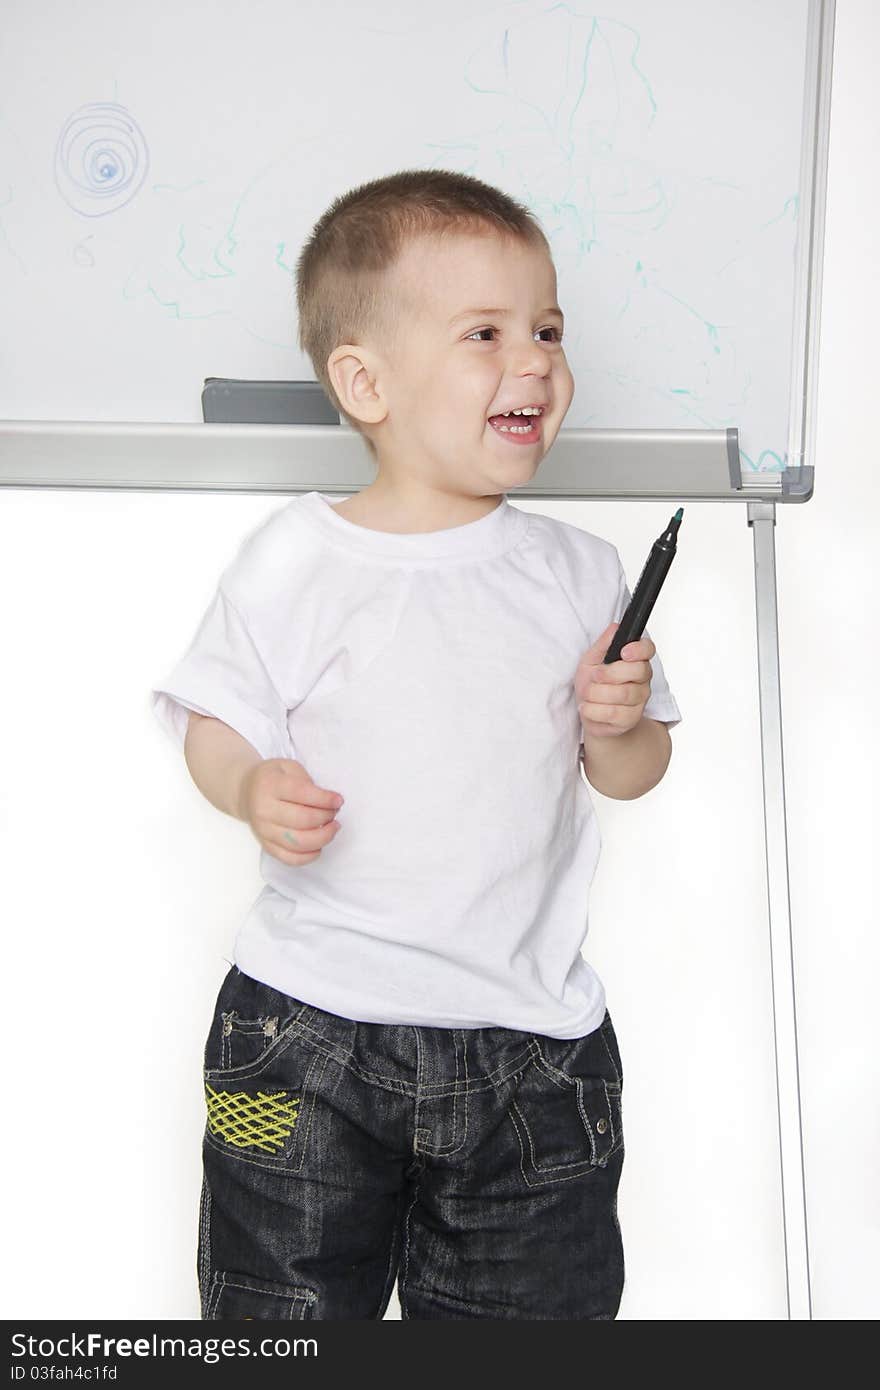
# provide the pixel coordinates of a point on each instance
(263, 1120)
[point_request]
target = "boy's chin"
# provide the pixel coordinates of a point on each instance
(520, 458)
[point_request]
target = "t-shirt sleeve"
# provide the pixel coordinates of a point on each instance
(224, 674)
(661, 703)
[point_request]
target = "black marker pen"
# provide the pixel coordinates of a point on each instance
(635, 619)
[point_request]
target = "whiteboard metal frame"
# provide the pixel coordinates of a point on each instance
(692, 465)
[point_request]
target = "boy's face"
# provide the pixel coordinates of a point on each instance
(427, 401)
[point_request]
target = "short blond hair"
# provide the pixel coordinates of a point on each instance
(343, 288)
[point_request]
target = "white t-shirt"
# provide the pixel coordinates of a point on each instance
(428, 678)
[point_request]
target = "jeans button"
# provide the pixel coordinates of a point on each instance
(601, 1125)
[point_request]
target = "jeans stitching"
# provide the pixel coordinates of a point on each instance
(560, 1172)
(458, 1141)
(402, 1288)
(205, 1237)
(430, 1091)
(612, 1090)
(284, 1163)
(618, 1079)
(296, 1294)
(391, 1271)
(574, 1167)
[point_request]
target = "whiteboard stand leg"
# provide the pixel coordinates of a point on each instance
(762, 519)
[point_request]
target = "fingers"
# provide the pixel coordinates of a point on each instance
(600, 715)
(622, 672)
(297, 786)
(291, 816)
(604, 693)
(640, 649)
(301, 826)
(299, 838)
(594, 728)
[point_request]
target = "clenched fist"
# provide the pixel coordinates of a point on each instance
(611, 699)
(291, 817)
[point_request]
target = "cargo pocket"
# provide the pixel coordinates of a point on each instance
(566, 1109)
(246, 1297)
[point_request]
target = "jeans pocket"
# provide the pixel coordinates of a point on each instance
(262, 1114)
(249, 1019)
(260, 1110)
(566, 1108)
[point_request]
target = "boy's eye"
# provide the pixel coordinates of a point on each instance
(548, 329)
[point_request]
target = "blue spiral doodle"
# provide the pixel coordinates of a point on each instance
(101, 159)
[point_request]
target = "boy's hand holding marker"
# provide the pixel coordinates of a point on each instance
(611, 699)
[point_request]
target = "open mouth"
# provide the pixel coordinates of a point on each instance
(518, 429)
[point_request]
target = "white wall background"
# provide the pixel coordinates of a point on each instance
(122, 887)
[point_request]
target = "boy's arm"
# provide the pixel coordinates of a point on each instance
(218, 758)
(628, 765)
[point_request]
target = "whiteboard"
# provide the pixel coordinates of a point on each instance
(156, 192)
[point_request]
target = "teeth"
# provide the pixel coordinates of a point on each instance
(526, 410)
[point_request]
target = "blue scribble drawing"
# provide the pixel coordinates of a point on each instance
(101, 159)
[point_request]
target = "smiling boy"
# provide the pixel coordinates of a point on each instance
(411, 1068)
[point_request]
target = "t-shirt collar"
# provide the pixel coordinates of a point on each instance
(492, 534)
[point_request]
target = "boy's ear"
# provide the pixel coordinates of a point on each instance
(353, 370)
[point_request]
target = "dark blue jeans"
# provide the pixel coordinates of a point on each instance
(480, 1165)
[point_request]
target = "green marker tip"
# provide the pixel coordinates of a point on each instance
(679, 514)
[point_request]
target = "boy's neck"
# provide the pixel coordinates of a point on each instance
(382, 510)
